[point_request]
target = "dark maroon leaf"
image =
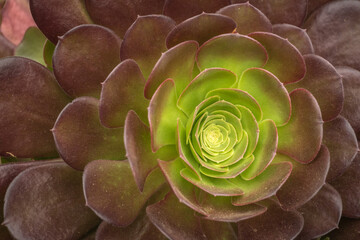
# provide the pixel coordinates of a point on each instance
(7, 174)
(351, 109)
(335, 34)
(141, 229)
(341, 141)
(80, 137)
(305, 180)
(30, 101)
(200, 28)
(289, 11)
(348, 187)
(296, 36)
(144, 41)
(54, 18)
(111, 192)
(175, 219)
(248, 18)
(218, 230)
(119, 15)
(348, 229)
(179, 10)
(321, 214)
(324, 82)
(301, 137)
(138, 149)
(275, 223)
(47, 202)
(123, 90)
(84, 57)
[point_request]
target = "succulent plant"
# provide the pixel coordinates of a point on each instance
(159, 119)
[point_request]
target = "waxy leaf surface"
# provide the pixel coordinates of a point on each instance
(58, 184)
(144, 41)
(28, 113)
(82, 60)
(111, 192)
(80, 137)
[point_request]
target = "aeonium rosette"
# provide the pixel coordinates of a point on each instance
(235, 126)
(196, 120)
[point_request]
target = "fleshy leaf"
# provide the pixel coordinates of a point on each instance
(314, 4)
(297, 36)
(82, 61)
(351, 108)
(45, 188)
(305, 179)
(324, 83)
(275, 223)
(30, 101)
(321, 214)
(48, 52)
(341, 140)
(269, 92)
(64, 14)
(214, 208)
(163, 115)
(236, 166)
(263, 186)
(238, 97)
(80, 137)
(251, 127)
(248, 18)
(7, 174)
(177, 63)
(333, 27)
(141, 229)
(217, 230)
(348, 229)
(265, 150)
(111, 192)
(122, 91)
(348, 187)
(290, 11)
(193, 7)
(206, 81)
(138, 149)
(231, 51)
(214, 186)
(301, 137)
(32, 45)
(221, 209)
(175, 219)
(144, 41)
(289, 54)
(184, 190)
(200, 28)
(186, 152)
(119, 15)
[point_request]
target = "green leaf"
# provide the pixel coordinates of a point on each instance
(265, 150)
(32, 45)
(206, 81)
(231, 51)
(163, 115)
(269, 92)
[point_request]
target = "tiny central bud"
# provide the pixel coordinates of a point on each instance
(214, 136)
